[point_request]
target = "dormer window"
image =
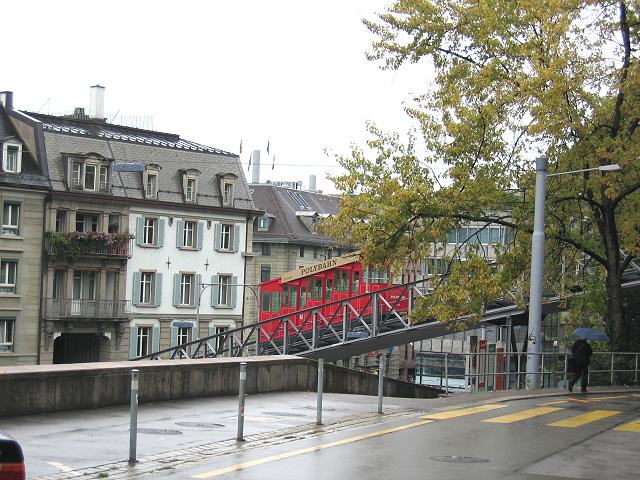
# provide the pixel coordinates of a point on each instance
(190, 184)
(90, 175)
(264, 223)
(227, 193)
(150, 178)
(191, 189)
(12, 157)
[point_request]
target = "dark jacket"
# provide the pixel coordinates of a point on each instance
(581, 352)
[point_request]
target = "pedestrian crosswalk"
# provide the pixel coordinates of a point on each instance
(559, 407)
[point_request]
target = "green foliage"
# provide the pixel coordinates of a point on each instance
(73, 245)
(512, 79)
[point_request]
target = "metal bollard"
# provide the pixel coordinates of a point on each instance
(133, 420)
(241, 390)
(612, 365)
(319, 391)
(446, 374)
(381, 368)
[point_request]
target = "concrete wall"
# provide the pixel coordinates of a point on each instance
(51, 388)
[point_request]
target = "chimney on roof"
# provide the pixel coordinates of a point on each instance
(255, 162)
(312, 183)
(6, 99)
(96, 103)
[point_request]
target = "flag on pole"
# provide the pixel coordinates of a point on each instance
(268, 142)
(273, 165)
(240, 146)
(249, 167)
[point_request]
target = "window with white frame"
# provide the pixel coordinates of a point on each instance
(147, 283)
(7, 327)
(8, 274)
(187, 282)
(90, 177)
(10, 218)
(190, 193)
(86, 222)
(61, 221)
(12, 157)
(226, 237)
(104, 179)
(263, 223)
(184, 335)
(227, 192)
(189, 234)
(144, 341)
(224, 290)
(149, 231)
(151, 188)
(76, 175)
(221, 339)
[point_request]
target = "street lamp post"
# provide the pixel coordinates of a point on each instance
(534, 347)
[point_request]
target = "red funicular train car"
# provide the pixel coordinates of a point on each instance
(320, 284)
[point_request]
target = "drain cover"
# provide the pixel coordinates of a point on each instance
(457, 459)
(159, 431)
(200, 424)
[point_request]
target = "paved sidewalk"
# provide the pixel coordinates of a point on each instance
(94, 443)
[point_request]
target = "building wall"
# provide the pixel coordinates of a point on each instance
(109, 333)
(26, 248)
(169, 259)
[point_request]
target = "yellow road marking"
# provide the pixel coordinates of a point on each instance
(302, 451)
(631, 426)
(553, 403)
(578, 400)
(595, 399)
(515, 417)
(585, 418)
(462, 412)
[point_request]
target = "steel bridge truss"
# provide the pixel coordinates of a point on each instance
(339, 322)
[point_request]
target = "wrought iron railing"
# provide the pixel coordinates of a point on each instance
(54, 247)
(56, 309)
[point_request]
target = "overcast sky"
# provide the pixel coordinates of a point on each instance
(289, 72)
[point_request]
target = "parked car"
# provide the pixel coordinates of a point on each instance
(11, 459)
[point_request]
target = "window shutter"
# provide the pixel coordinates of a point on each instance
(155, 341)
(196, 293)
(176, 289)
(217, 235)
(215, 290)
(194, 336)
(158, 289)
(180, 234)
(234, 291)
(199, 235)
(236, 238)
(174, 336)
(160, 235)
(139, 230)
(133, 342)
(137, 277)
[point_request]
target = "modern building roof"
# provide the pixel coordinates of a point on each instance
(292, 213)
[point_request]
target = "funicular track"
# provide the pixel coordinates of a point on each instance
(338, 329)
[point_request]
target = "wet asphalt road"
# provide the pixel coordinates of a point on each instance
(460, 447)
(419, 439)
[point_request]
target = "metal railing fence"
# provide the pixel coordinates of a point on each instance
(489, 371)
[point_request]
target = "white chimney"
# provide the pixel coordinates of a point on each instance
(96, 104)
(255, 162)
(312, 183)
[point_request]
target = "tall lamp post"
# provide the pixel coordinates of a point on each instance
(534, 347)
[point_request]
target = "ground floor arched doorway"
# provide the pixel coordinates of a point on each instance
(76, 348)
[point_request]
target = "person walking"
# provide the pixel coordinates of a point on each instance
(582, 353)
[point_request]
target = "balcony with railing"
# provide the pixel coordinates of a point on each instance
(82, 244)
(66, 309)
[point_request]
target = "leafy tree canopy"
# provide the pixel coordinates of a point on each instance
(511, 80)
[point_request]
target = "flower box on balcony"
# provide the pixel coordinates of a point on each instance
(77, 244)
